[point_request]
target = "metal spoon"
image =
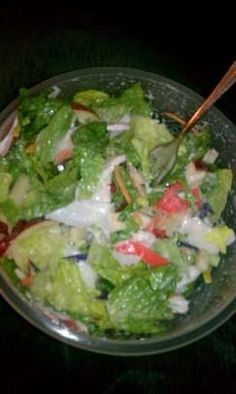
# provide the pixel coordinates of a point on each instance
(163, 157)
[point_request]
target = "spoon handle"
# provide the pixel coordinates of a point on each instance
(225, 83)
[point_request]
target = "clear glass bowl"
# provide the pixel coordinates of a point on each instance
(210, 305)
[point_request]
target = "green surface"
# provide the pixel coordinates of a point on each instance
(29, 359)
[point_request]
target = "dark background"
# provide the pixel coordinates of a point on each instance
(192, 46)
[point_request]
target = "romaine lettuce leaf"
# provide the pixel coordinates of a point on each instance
(9, 267)
(113, 109)
(122, 144)
(193, 147)
(17, 162)
(41, 198)
(164, 279)
(5, 182)
(51, 135)
(147, 133)
(64, 289)
(35, 112)
(43, 244)
(92, 136)
(91, 167)
(168, 249)
(10, 211)
(101, 259)
(220, 237)
(90, 97)
(134, 304)
(217, 194)
(20, 189)
(30, 196)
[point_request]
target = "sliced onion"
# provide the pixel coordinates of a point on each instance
(147, 238)
(84, 213)
(103, 189)
(188, 276)
(65, 145)
(137, 179)
(178, 304)
(193, 176)
(88, 275)
(116, 129)
(210, 156)
(55, 92)
(6, 142)
(126, 259)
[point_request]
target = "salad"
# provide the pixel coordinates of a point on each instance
(84, 228)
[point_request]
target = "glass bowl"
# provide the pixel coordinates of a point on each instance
(211, 305)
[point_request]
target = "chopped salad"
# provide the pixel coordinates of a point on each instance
(84, 228)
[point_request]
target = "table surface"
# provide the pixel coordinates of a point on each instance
(34, 47)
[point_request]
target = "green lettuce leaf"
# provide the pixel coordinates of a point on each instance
(217, 194)
(10, 211)
(122, 144)
(147, 133)
(131, 101)
(30, 195)
(41, 198)
(9, 267)
(51, 135)
(168, 249)
(90, 98)
(17, 162)
(5, 182)
(35, 112)
(91, 137)
(193, 147)
(102, 261)
(164, 279)
(64, 289)
(42, 244)
(136, 307)
(91, 167)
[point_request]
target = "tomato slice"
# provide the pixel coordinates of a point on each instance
(170, 202)
(197, 195)
(155, 227)
(147, 255)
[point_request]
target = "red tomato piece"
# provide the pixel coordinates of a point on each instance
(147, 255)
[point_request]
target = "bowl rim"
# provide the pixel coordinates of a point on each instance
(108, 345)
